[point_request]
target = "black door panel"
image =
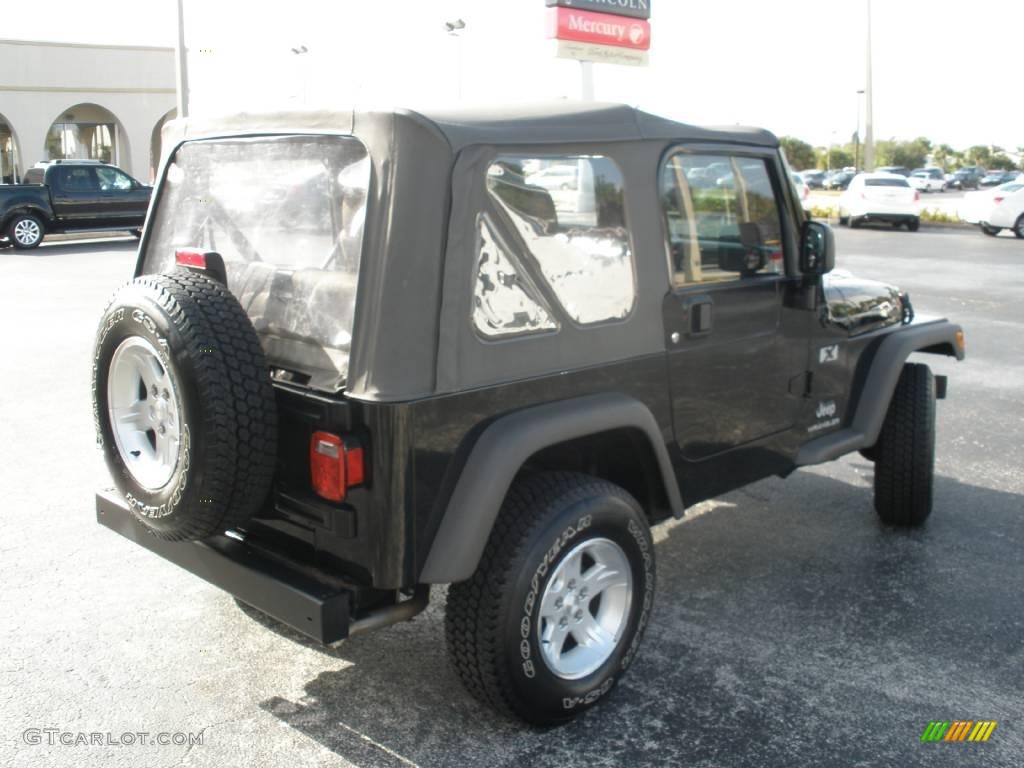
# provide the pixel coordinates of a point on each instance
(735, 342)
(74, 194)
(730, 383)
(122, 200)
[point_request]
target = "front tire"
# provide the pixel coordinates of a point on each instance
(554, 613)
(1018, 228)
(25, 231)
(905, 451)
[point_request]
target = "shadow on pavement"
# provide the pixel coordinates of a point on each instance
(73, 247)
(791, 628)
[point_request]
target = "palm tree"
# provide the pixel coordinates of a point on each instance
(943, 156)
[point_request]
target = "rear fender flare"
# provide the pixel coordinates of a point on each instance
(39, 213)
(499, 453)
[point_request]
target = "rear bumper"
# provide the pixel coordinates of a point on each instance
(311, 606)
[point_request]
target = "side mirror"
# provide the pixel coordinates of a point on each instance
(817, 248)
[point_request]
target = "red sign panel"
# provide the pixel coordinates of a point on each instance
(603, 28)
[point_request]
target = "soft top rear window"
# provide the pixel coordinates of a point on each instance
(286, 213)
(886, 183)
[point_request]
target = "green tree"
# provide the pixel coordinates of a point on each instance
(999, 159)
(979, 154)
(909, 154)
(834, 157)
(944, 156)
(799, 153)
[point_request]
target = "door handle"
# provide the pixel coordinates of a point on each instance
(700, 311)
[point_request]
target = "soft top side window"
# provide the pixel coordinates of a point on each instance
(724, 222)
(565, 215)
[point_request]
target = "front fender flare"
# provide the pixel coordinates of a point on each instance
(501, 451)
(938, 337)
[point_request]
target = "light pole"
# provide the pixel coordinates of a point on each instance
(181, 61)
(856, 136)
(300, 51)
(869, 127)
(453, 28)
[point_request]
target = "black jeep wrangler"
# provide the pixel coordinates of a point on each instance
(365, 353)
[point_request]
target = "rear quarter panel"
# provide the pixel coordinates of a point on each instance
(24, 198)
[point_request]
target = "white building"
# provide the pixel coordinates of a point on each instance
(105, 102)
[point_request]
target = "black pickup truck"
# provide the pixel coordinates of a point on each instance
(71, 196)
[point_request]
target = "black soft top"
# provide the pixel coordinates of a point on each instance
(577, 122)
(548, 123)
(412, 337)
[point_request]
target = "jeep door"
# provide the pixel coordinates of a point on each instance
(737, 353)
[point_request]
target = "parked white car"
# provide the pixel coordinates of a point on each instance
(1007, 213)
(977, 206)
(880, 197)
(928, 180)
(555, 177)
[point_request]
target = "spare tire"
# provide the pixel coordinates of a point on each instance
(183, 405)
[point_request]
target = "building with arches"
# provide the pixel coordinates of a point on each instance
(76, 100)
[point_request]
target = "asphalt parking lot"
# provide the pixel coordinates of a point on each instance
(791, 628)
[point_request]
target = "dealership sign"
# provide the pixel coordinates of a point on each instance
(599, 28)
(600, 54)
(637, 9)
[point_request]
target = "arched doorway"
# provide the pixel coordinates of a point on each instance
(156, 145)
(10, 158)
(86, 132)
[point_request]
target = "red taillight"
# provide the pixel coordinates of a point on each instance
(917, 195)
(187, 257)
(354, 471)
(997, 200)
(333, 466)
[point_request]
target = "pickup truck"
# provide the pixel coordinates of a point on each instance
(71, 196)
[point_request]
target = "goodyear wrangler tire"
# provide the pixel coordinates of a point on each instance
(905, 451)
(183, 405)
(555, 611)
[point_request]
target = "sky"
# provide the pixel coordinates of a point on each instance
(792, 66)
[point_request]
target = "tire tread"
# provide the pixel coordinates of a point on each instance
(905, 465)
(473, 613)
(233, 385)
